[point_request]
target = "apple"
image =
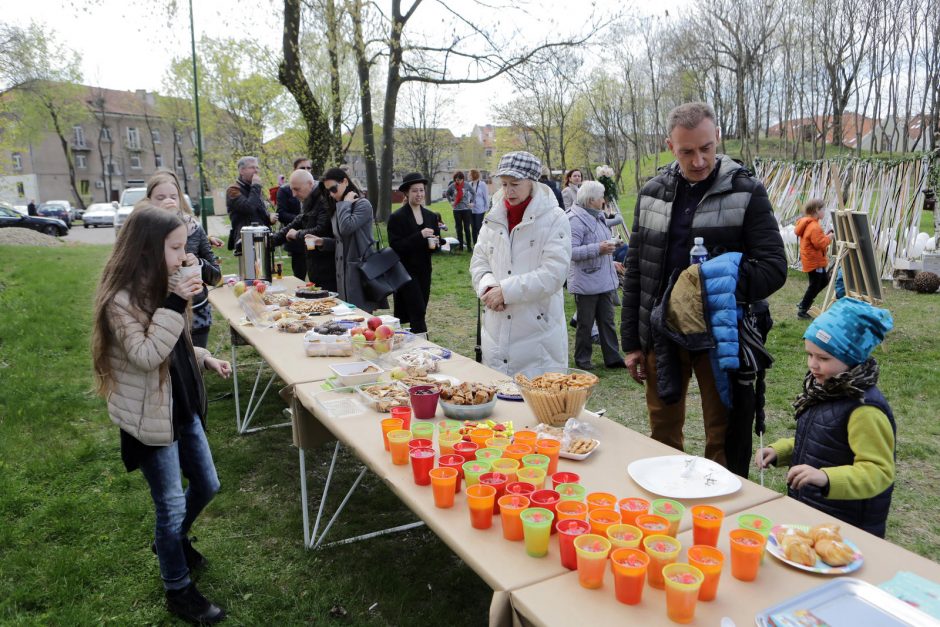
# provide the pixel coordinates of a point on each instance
(399, 373)
(369, 334)
(383, 332)
(374, 322)
(260, 287)
(356, 331)
(359, 339)
(239, 288)
(382, 346)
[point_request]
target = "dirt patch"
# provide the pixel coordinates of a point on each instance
(27, 237)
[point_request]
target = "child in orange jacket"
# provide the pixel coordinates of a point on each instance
(813, 246)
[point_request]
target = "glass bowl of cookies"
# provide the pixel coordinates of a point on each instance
(555, 394)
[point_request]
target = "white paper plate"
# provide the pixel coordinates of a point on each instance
(444, 378)
(683, 477)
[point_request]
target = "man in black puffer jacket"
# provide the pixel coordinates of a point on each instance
(703, 194)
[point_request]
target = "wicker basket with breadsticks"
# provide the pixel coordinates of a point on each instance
(554, 395)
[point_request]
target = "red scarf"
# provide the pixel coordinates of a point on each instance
(459, 197)
(514, 213)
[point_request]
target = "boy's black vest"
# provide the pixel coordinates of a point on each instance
(822, 441)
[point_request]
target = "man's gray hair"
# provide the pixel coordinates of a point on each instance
(244, 162)
(589, 190)
(689, 115)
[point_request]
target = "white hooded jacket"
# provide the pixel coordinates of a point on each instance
(530, 265)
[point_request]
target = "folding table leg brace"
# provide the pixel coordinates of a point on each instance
(242, 421)
(311, 540)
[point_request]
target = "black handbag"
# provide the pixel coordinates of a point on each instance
(382, 273)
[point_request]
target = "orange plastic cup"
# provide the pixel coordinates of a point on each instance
(747, 546)
(600, 500)
(623, 536)
(663, 550)
(550, 448)
(601, 519)
(706, 524)
(517, 451)
(629, 566)
(566, 510)
(651, 524)
(480, 435)
(526, 437)
(446, 441)
(632, 507)
(592, 551)
(530, 474)
(498, 442)
(481, 499)
(510, 508)
(398, 445)
(402, 412)
(710, 561)
(444, 484)
(683, 583)
(505, 465)
(390, 424)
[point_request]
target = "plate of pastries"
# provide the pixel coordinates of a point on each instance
(816, 549)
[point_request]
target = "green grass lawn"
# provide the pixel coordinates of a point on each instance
(76, 528)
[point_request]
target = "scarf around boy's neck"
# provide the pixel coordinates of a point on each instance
(852, 383)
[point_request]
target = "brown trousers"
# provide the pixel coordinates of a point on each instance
(667, 421)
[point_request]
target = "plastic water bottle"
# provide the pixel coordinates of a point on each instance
(698, 254)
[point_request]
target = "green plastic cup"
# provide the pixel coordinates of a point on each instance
(421, 429)
(571, 491)
(670, 510)
(536, 460)
(536, 530)
(473, 469)
(489, 453)
(758, 523)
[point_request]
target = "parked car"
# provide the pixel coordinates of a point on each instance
(9, 217)
(129, 197)
(61, 209)
(100, 214)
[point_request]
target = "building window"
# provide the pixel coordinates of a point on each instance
(84, 187)
(133, 138)
(178, 136)
(17, 161)
(20, 190)
(112, 169)
(81, 162)
(105, 134)
(158, 160)
(179, 164)
(155, 135)
(489, 152)
(78, 136)
(135, 162)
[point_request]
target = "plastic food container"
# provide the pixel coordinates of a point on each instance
(393, 395)
(317, 345)
(468, 412)
(354, 373)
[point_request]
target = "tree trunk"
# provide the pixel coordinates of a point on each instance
(290, 74)
(68, 155)
(336, 102)
(365, 100)
(392, 86)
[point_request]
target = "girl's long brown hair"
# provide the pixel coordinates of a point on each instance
(136, 265)
(166, 176)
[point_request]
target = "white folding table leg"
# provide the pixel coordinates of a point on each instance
(303, 497)
(238, 415)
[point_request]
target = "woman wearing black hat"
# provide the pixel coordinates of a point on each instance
(413, 233)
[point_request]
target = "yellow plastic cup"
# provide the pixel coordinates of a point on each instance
(398, 445)
(682, 583)
(530, 474)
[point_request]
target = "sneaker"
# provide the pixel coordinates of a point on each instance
(191, 606)
(802, 314)
(194, 559)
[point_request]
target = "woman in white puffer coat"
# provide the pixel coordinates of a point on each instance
(519, 267)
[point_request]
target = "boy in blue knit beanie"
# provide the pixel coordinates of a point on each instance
(842, 457)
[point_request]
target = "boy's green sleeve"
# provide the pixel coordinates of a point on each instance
(872, 441)
(784, 448)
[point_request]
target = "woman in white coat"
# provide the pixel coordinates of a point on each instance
(519, 267)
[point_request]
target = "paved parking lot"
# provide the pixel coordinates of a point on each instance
(105, 234)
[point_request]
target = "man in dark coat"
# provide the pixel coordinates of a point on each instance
(547, 180)
(31, 208)
(702, 194)
(244, 203)
(288, 208)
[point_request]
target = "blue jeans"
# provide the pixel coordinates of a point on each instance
(176, 510)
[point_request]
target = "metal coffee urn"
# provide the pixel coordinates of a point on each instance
(257, 258)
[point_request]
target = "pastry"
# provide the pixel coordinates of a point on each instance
(798, 550)
(792, 532)
(834, 552)
(825, 531)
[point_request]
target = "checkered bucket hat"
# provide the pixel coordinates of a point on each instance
(519, 165)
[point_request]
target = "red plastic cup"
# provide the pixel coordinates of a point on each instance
(422, 461)
(568, 530)
(480, 500)
(510, 508)
(630, 508)
(420, 443)
(629, 566)
(547, 499)
(424, 400)
(564, 477)
(522, 488)
(403, 413)
(453, 461)
(498, 480)
(467, 449)
(550, 448)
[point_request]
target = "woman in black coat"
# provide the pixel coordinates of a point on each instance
(414, 234)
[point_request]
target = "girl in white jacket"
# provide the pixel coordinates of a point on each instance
(519, 267)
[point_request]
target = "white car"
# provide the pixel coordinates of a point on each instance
(23, 209)
(100, 214)
(129, 198)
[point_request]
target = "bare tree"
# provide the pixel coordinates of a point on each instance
(422, 139)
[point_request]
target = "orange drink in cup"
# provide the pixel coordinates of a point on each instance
(706, 524)
(398, 445)
(758, 523)
(709, 560)
(568, 510)
(498, 442)
(444, 484)
(481, 499)
(510, 508)
(601, 500)
(662, 550)
(446, 441)
(550, 448)
(592, 551)
(507, 466)
(747, 546)
(623, 536)
(528, 438)
(390, 424)
(632, 507)
(651, 524)
(536, 529)
(629, 566)
(480, 435)
(530, 474)
(682, 588)
(517, 451)
(601, 519)
(670, 510)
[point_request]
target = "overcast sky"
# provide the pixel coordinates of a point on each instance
(126, 45)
